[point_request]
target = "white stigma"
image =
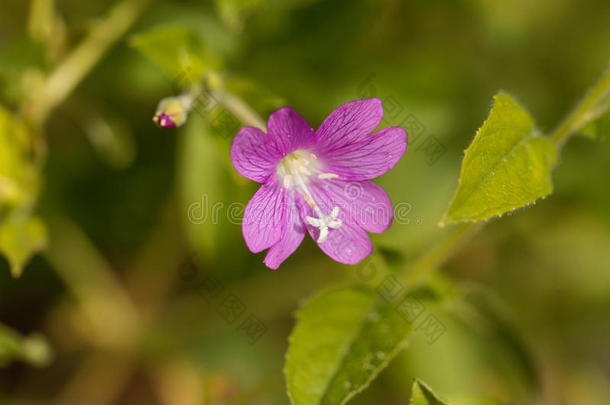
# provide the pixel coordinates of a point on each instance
(295, 171)
(324, 222)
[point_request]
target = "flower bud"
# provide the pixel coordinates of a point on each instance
(172, 112)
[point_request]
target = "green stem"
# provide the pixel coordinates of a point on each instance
(86, 55)
(584, 112)
(435, 257)
(239, 108)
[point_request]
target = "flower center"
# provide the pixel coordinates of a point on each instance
(295, 171)
(296, 168)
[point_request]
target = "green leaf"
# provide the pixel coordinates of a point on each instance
(507, 166)
(20, 237)
(18, 173)
(33, 349)
(180, 50)
(343, 338)
(422, 394)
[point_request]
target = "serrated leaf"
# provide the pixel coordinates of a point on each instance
(422, 394)
(507, 166)
(343, 338)
(21, 236)
(179, 50)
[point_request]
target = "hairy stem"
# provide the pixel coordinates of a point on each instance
(584, 112)
(87, 54)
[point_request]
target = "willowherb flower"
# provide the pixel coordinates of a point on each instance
(318, 181)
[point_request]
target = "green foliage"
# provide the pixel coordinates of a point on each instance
(179, 50)
(33, 349)
(343, 338)
(422, 394)
(507, 166)
(18, 174)
(20, 237)
(20, 234)
(313, 56)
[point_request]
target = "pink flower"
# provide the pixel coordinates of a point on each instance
(318, 181)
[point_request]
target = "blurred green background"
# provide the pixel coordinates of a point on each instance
(122, 293)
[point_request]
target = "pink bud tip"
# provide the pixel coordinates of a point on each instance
(165, 120)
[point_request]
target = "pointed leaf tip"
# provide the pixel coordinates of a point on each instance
(507, 166)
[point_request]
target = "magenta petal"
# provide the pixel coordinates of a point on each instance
(368, 159)
(349, 123)
(347, 244)
(373, 209)
(293, 235)
(289, 131)
(264, 217)
(253, 155)
(366, 203)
